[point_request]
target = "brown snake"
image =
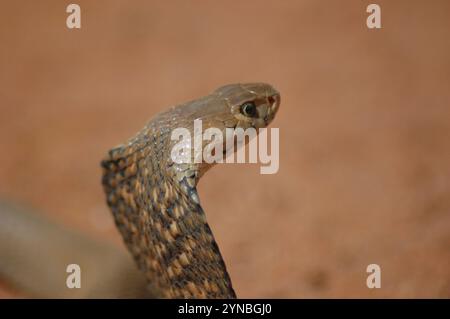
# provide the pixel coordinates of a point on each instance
(155, 202)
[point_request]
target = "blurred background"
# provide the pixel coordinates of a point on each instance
(364, 126)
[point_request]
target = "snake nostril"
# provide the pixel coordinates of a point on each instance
(274, 101)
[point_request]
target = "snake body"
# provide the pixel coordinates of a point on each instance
(154, 200)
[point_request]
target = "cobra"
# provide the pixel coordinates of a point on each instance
(155, 202)
(156, 208)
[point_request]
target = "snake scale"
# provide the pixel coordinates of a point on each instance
(154, 200)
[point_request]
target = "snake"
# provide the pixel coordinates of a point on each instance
(154, 199)
(156, 208)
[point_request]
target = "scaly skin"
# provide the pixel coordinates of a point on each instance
(155, 202)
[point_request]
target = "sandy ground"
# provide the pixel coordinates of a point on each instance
(364, 126)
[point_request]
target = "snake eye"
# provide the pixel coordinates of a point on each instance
(249, 109)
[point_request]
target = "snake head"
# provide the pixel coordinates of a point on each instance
(233, 106)
(250, 104)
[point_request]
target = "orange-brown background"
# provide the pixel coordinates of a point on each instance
(364, 123)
